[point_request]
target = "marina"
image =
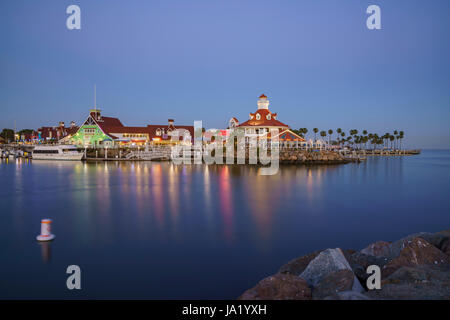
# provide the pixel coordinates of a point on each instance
(224, 154)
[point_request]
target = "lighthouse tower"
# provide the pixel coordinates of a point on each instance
(263, 102)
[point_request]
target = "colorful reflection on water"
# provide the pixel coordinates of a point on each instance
(158, 230)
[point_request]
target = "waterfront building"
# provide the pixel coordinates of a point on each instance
(99, 130)
(262, 121)
(52, 134)
(317, 144)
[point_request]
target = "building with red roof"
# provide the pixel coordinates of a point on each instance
(52, 134)
(99, 130)
(262, 121)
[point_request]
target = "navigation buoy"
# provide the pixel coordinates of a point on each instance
(46, 228)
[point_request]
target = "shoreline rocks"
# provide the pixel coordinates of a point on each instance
(414, 267)
(310, 157)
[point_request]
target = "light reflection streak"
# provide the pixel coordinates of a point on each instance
(173, 193)
(158, 194)
(226, 203)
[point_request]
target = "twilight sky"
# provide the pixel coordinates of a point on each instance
(210, 60)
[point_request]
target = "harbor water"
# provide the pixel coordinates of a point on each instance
(155, 230)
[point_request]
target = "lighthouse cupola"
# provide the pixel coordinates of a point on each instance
(263, 102)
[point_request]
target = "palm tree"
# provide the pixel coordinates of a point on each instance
(401, 136)
(375, 140)
(395, 134)
(343, 138)
(385, 139)
(330, 132)
(323, 133)
(365, 139)
(391, 138)
(355, 132)
(315, 134)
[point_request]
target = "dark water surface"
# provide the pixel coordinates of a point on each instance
(160, 231)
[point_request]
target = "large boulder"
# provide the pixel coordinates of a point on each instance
(359, 262)
(327, 262)
(378, 249)
(392, 250)
(416, 283)
(445, 233)
(333, 283)
(432, 238)
(416, 252)
(445, 246)
(298, 265)
(279, 287)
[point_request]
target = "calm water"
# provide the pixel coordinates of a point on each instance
(156, 230)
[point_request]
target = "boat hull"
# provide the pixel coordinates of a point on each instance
(59, 157)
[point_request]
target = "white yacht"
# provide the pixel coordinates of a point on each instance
(58, 152)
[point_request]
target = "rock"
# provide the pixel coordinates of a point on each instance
(327, 262)
(333, 283)
(417, 283)
(408, 274)
(378, 249)
(417, 252)
(365, 260)
(359, 262)
(298, 265)
(279, 287)
(348, 295)
(445, 246)
(445, 233)
(433, 238)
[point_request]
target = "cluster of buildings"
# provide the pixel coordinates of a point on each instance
(102, 131)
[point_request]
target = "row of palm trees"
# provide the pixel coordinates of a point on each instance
(356, 140)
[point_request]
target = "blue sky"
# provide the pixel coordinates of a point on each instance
(210, 60)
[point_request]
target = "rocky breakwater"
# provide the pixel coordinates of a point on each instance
(312, 157)
(414, 267)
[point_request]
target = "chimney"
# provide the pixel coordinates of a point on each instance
(171, 121)
(61, 124)
(72, 124)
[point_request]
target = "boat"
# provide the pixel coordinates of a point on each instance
(58, 152)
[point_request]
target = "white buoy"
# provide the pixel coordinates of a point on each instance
(46, 228)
